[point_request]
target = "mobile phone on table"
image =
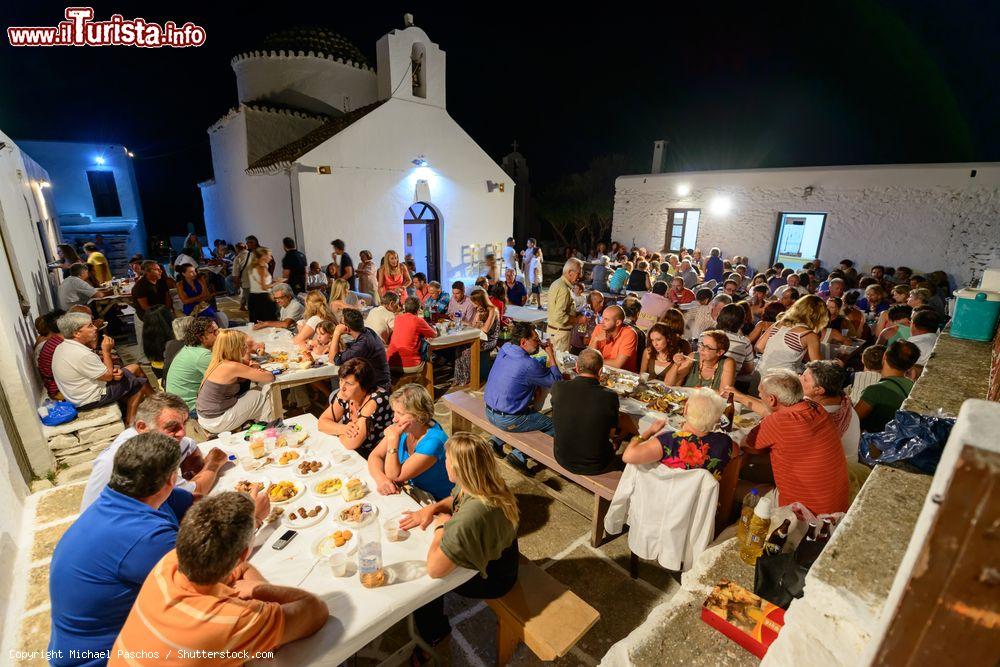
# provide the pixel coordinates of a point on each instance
(283, 541)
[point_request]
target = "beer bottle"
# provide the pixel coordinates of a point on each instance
(779, 537)
(729, 414)
(808, 550)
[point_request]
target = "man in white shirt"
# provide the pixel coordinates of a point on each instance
(381, 318)
(792, 282)
(529, 252)
(923, 334)
(75, 290)
(167, 414)
(460, 304)
(510, 255)
(290, 309)
(88, 381)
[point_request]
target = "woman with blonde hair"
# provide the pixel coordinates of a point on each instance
(316, 311)
(696, 444)
(225, 400)
(794, 336)
(475, 527)
(392, 275)
(341, 297)
(260, 304)
(412, 447)
(488, 321)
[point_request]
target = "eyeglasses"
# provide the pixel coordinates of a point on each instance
(706, 347)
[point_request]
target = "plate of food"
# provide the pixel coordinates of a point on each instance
(353, 489)
(285, 457)
(310, 467)
(358, 514)
(327, 487)
(342, 541)
(284, 492)
(247, 484)
(272, 366)
(291, 439)
(304, 514)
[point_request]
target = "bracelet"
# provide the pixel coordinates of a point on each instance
(440, 526)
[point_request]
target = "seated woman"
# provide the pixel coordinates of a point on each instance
(475, 528)
(412, 447)
(794, 336)
(225, 400)
(899, 295)
(696, 444)
(488, 321)
(315, 312)
(709, 367)
(342, 297)
(197, 297)
(843, 327)
(665, 339)
(409, 329)
(179, 326)
(359, 411)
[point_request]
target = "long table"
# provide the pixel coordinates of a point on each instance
(528, 314)
(467, 336)
(280, 340)
(358, 615)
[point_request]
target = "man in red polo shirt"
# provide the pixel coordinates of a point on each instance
(616, 341)
(678, 293)
(804, 444)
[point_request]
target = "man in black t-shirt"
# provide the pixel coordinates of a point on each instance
(584, 414)
(295, 265)
(345, 264)
(150, 290)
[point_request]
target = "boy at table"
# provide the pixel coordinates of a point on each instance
(204, 595)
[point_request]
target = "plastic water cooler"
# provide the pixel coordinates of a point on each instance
(977, 310)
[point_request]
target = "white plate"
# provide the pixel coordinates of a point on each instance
(276, 455)
(300, 487)
(331, 493)
(308, 521)
(255, 479)
(319, 551)
(311, 475)
(372, 515)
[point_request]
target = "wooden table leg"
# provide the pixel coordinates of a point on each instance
(277, 409)
(429, 376)
(474, 364)
(597, 527)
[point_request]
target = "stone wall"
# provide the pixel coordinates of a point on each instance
(954, 228)
(82, 439)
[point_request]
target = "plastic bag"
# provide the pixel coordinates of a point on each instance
(915, 439)
(55, 413)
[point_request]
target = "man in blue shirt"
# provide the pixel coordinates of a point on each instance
(511, 385)
(101, 562)
(436, 300)
(366, 345)
(516, 294)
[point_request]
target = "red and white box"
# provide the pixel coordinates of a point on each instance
(747, 619)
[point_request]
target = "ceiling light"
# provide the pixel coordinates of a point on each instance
(99, 159)
(683, 190)
(721, 205)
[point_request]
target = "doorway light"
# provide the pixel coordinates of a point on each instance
(683, 190)
(99, 159)
(420, 161)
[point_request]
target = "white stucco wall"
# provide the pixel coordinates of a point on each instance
(235, 204)
(303, 81)
(929, 217)
(268, 130)
(395, 52)
(373, 182)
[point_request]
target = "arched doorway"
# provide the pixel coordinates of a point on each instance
(421, 235)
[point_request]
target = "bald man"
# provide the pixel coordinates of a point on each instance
(616, 341)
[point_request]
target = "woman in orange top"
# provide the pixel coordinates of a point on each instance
(393, 276)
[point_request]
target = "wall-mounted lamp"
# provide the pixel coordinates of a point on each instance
(420, 161)
(325, 169)
(44, 184)
(721, 205)
(493, 185)
(130, 153)
(683, 190)
(807, 192)
(99, 159)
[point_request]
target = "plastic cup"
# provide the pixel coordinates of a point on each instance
(226, 438)
(393, 532)
(338, 564)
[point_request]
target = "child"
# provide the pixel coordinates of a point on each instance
(579, 297)
(535, 274)
(872, 360)
(898, 328)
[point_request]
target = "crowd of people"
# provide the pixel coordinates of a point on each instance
(154, 549)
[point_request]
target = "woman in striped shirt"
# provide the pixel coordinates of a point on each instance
(794, 336)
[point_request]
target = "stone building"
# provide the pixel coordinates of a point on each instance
(516, 167)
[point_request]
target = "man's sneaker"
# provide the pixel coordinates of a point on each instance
(517, 463)
(497, 448)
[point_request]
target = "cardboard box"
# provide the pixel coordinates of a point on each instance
(749, 620)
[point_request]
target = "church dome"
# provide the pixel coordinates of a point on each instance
(316, 40)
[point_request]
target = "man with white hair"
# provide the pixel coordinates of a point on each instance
(291, 309)
(688, 274)
(562, 310)
(90, 381)
(803, 443)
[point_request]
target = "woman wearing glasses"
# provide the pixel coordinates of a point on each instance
(708, 367)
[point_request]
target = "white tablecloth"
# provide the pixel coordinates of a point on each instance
(526, 314)
(464, 335)
(280, 340)
(357, 614)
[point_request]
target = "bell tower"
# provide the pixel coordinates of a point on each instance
(411, 66)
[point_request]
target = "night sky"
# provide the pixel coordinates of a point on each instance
(766, 84)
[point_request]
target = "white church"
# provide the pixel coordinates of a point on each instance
(323, 146)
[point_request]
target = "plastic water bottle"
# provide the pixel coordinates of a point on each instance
(760, 524)
(370, 556)
(749, 502)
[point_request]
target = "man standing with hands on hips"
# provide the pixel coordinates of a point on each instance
(562, 310)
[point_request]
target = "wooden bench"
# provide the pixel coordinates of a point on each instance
(541, 612)
(468, 410)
